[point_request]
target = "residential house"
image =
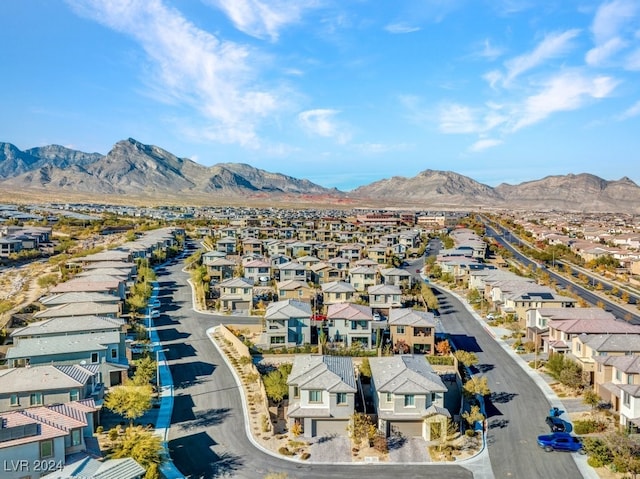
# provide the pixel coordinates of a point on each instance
(408, 396)
(114, 285)
(292, 271)
(338, 292)
(586, 347)
(361, 277)
(322, 273)
(396, 277)
(292, 289)
(227, 245)
(48, 384)
(236, 294)
(219, 269)
(287, 323)
(125, 468)
(257, 271)
(412, 331)
(384, 297)
(80, 304)
(322, 393)
(617, 380)
(45, 436)
(377, 253)
(538, 321)
(349, 324)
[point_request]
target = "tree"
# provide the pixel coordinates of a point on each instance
(467, 358)
(590, 398)
(473, 416)
(429, 297)
(476, 386)
(129, 400)
(360, 428)
(145, 370)
(142, 445)
(443, 347)
(365, 368)
(275, 383)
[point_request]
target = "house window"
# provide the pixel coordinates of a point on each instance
(277, 339)
(15, 400)
(409, 400)
(94, 357)
(626, 398)
(76, 438)
(341, 398)
(629, 378)
(74, 395)
(46, 448)
(35, 399)
(315, 395)
(114, 353)
(618, 375)
(400, 329)
(296, 392)
(389, 397)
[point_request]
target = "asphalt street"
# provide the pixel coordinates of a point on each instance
(207, 436)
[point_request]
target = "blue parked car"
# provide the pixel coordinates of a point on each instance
(560, 441)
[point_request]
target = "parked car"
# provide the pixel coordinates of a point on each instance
(154, 303)
(155, 314)
(555, 424)
(560, 441)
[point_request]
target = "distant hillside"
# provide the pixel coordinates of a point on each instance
(140, 171)
(133, 171)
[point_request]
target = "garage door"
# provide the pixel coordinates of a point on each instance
(329, 428)
(407, 428)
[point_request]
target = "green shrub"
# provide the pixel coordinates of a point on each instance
(284, 450)
(305, 455)
(588, 426)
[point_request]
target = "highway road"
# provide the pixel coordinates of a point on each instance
(564, 282)
(207, 435)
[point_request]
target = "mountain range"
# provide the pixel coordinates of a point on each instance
(146, 173)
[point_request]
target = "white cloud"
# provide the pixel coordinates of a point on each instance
(322, 122)
(489, 51)
(401, 28)
(611, 23)
(601, 53)
(632, 111)
(564, 92)
(552, 46)
(611, 17)
(455, 118)
(632, 61)
(484, 144)
(262, 19)
(492, 78)
(191, 67)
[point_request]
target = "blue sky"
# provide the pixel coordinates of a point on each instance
(342, 92)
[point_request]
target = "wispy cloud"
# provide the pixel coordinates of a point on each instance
(263, 19)
(398, 28)
(563, 92)
(552, 46)
(631, 112)
(456, 118)
(612, 21)
(191, 67)
(380, 148)
(490, 51)
(484, 144)
(322, 122)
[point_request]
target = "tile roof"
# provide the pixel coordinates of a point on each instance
(41, 378)
(405, 374)
(64, 325)
(52, 345)
(19, 418)
(328, 373)
(411, 317)
(349, 311)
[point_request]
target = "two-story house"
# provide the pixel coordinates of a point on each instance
(236, 294)
(338, 292)
(292, 289)
(412, 331)
(408, 396)
(617, 380)
(321, 394)
(257, 271)
(48, 384)
(219, 269)
(348, 324)
(287, 323)
(361, 277)
(292, 271)
(396, 277)
(384, 298)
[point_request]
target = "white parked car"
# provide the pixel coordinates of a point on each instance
(155, 314)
